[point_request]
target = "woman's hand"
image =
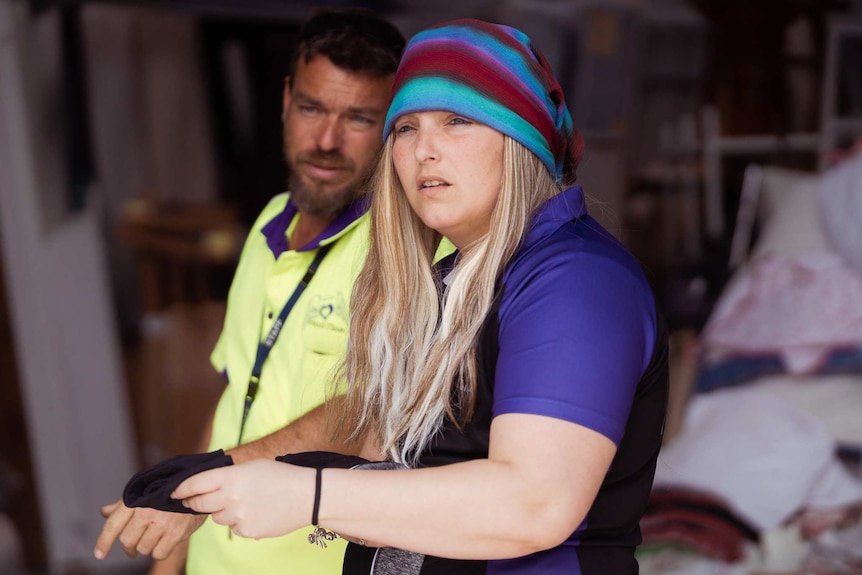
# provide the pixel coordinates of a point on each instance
(257, 499)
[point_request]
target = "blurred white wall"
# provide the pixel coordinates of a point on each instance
(68, 356)
(150, 122)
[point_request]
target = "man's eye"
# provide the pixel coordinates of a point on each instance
(308, 110)
(363, 120)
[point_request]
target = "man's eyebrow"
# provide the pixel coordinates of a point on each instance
(306, 99)
(365, 111)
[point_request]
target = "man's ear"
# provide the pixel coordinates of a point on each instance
(285, 97)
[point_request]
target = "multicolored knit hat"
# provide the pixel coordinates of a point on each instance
(492, 74)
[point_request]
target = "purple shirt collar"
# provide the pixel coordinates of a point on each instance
(566, 206)
(275, 231)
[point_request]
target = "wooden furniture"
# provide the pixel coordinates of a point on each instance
(180, 249)
(177, 246)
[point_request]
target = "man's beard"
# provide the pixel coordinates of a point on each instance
(312, 198)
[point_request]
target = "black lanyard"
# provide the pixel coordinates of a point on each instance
(265, 346)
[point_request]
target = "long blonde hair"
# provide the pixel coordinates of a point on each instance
(411, 360)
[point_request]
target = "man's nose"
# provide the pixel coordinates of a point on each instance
(331, 135)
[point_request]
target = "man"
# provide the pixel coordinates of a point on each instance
(334, 104)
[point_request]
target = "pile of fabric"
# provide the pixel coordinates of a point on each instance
(752, 483)
(696, 521)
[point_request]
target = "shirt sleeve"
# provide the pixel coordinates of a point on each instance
(576, 334)
(217, 357)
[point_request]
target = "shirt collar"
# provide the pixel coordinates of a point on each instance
(566, 206)
(275, 231)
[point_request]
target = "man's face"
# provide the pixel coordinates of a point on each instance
(333, 124)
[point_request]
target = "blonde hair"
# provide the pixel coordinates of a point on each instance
(411, 360)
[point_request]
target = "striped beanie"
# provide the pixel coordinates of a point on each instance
(494, 75)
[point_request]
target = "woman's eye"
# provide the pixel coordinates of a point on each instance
(460, 121)
(402, 129)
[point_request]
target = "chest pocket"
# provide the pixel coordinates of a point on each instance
(324, 330)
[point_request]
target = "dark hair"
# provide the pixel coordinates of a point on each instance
(356, 40)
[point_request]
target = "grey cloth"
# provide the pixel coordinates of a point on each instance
(390, 560)
(384, 465)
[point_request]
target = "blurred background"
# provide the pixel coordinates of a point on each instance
(139, 139)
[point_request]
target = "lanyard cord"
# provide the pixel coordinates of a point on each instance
(265, 346)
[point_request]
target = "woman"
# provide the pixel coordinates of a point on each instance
(524, 378)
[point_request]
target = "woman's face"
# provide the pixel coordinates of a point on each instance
(451, 169)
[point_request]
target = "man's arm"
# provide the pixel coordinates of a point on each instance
(311, 432)
(165, 535)
(147, 532)
(173, 564)
(151, 532)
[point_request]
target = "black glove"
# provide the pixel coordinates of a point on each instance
(153, 487)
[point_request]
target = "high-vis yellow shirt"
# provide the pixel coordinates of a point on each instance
(296, 377)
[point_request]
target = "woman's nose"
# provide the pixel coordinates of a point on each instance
(426, 145)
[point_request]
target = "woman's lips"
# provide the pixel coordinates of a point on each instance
(431, 185)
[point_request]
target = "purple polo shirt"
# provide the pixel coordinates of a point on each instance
(576, 323)
(573, 334)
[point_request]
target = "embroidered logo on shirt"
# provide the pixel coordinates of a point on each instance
(325, 329)
(328, 312)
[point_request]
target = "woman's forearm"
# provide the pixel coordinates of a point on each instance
(520, 500)
(531, 493)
